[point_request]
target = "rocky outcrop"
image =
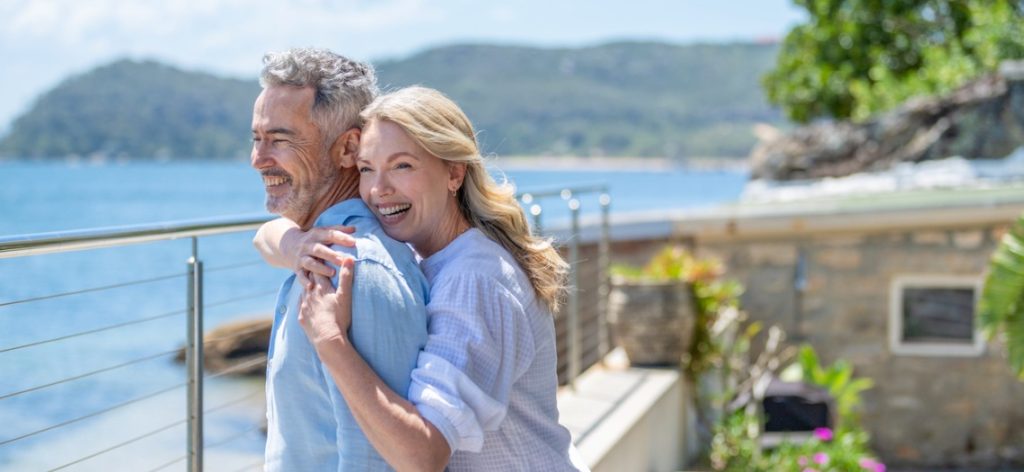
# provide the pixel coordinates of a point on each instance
(238, 347)
(982, 119)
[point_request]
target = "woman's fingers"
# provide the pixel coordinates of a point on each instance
(340, 235)
(315, 265)
(345, 276)
(325, 253)
(302, 278)
(322, 284)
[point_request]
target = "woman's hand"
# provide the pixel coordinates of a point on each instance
(310, 251)
(325, 313)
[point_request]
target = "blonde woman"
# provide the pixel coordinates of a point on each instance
(482, 395)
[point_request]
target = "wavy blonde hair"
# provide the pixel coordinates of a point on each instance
(435, 122)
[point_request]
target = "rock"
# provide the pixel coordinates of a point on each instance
(237, 345)
(982, 119)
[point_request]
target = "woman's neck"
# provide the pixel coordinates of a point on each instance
(444, 233)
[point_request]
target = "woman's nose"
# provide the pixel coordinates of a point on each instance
(382, 185)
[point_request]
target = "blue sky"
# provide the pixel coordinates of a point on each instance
(44, 41)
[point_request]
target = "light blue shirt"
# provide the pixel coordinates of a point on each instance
(309, 426)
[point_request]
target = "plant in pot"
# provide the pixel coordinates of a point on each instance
(656, 309)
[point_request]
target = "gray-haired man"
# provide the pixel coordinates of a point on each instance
(305, 132)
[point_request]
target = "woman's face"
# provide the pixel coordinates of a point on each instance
(408, 189)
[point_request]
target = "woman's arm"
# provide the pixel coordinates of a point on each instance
(393, 425)
(283, 244)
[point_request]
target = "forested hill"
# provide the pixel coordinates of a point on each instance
(139, 110)
(628, 99)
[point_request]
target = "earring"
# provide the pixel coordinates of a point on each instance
(454, 192)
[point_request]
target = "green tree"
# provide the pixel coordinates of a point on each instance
(854, 58)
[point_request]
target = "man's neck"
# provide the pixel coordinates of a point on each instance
(343, 189)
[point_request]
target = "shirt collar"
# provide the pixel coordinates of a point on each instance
(345, 211)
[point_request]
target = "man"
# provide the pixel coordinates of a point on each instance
(306, 132)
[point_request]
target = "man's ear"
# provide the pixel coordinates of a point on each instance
(346, 147)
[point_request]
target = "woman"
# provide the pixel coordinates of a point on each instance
(483, 391)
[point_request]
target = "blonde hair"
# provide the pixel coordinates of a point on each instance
(435, 122)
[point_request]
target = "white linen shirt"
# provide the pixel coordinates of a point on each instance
(486, 378)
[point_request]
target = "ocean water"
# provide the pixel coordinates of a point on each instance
(43, 197)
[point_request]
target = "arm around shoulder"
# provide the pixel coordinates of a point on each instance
(271, 237)
(405, 439)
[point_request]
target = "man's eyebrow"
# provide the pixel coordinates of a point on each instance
(284, 131)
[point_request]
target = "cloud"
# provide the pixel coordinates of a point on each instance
(160, 25)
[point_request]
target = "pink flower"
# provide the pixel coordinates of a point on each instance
(802, 461)
(823, 434)
(809, 470)
(872, 465)
(821, 458)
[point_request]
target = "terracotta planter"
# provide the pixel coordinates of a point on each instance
(653, 322)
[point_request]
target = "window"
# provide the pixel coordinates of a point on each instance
(934, 316)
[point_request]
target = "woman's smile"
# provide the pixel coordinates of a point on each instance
(393, 213)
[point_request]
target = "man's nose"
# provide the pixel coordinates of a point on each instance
(260, 157)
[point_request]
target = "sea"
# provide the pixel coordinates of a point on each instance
(88, 379)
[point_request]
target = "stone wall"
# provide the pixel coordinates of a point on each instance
(923, 411)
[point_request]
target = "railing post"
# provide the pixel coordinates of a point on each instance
(604, 285)
(574, 302)
(194, 361)
(535, 211)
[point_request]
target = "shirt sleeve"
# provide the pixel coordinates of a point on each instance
(479, 344)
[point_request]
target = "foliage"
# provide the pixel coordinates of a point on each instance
(838, 379)
(854, 58)
(1000, 307)
(710, 292)
(137, 109)
(736, 445)
(736, 448)
(672, 263)
(620, 99)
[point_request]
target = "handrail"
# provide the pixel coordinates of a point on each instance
(75, 240)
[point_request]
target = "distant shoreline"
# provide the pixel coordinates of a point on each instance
(511, 163)
(518, 163)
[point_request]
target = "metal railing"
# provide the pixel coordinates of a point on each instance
(586, 274)
(70, 241)
(582, 331)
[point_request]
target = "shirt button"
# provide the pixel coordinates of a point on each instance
(282, 309)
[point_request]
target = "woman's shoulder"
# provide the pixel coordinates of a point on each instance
(475, 259)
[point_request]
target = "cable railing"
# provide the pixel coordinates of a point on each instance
(588, 273)
(582, 331)
(74, 241)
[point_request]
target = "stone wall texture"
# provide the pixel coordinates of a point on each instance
(935, 411)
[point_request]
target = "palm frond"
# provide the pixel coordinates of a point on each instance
(999, 308)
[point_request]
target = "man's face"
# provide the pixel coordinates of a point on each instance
(287, 149)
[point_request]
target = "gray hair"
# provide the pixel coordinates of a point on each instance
(343, 86)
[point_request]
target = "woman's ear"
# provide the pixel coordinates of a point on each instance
(456, 175)
(346, 147)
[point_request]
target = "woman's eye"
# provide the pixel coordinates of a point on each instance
(364, 169)
(403, 165)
